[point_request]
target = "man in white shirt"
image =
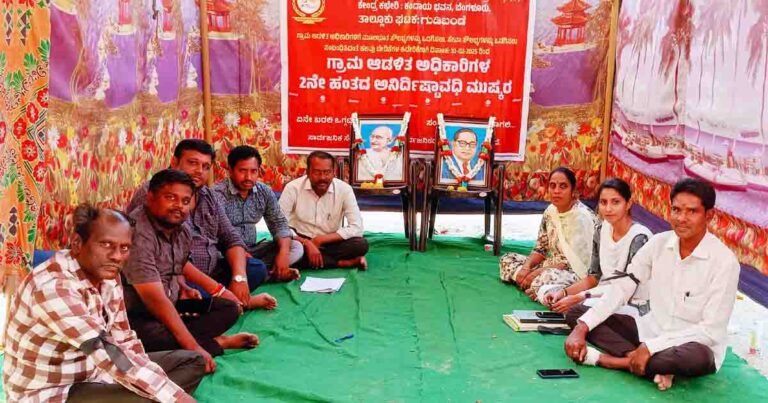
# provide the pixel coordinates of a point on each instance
(315, 205)
(692, 280)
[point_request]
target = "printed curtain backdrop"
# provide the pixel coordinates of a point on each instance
(24, 55)
(690, 100)
(125, 87)
(127, 76)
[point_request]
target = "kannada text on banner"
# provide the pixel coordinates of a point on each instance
(465, 59)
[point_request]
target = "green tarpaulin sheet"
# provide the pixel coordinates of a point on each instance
(427, 327)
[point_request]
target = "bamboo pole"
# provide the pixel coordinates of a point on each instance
(608, 109)
(206, 67)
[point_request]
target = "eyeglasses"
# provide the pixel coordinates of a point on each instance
(466, 144)
(378, 137)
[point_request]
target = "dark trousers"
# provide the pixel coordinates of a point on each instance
(204, 328)
(618, 336)
(185, 368)
(255, 272)
(342, 250)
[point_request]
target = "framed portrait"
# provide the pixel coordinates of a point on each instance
(464, 152)
(378, 151)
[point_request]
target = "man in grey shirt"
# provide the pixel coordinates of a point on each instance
(246, 202)
(156, 276)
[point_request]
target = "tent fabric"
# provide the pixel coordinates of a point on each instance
(690, 100)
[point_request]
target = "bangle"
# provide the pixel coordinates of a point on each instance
(218, 290)
(565, 292)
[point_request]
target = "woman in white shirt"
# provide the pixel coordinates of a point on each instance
(616, 241)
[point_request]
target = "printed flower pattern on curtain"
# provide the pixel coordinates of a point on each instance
(124, 89)
(691, 100)
(24, 56)
(565, 123)
(245, 84)
(748, 241)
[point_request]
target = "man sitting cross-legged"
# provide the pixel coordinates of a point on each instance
(158, 271)
(217, 249)
(692, 279)
(246, 201)
(315, 205)
(68, 338)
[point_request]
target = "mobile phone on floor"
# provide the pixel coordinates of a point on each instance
(557, 373)
(549, 315)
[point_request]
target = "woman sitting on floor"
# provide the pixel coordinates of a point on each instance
(616, 241)
(564, 246)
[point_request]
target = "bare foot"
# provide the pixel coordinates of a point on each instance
(359, 263)
(240, 340)
(663, 382)
(289, 275)
(262, 301)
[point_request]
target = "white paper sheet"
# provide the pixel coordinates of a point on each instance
(326, 285)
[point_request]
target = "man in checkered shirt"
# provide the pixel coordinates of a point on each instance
(69, 339)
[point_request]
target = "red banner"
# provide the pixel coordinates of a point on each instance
(466, 59)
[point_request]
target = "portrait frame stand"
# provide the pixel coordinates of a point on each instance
(491, 190)
(380, 186)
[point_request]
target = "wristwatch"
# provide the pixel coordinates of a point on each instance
(239, 279)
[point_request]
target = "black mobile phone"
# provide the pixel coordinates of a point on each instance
(557, 373)
(549, 315)
(554, 330)
(194, 306)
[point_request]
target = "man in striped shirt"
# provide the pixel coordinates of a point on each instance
(69, 339)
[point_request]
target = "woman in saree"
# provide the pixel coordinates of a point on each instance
(563, 249)
(616, 242)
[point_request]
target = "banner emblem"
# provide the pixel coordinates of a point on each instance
(308, 11)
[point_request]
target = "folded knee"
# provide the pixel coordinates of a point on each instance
(573, 315)
(360, 245)
(256, 271)
(700, 357)
(192, 360)
(226, 311)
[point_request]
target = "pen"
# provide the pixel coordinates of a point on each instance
(347, 337)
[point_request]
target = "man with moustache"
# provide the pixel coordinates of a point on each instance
(315, 205)
(68, 338)
(379, 157)
(692, 278)
(159, 270)
(246, 202)
(464, 148)
(217, 249)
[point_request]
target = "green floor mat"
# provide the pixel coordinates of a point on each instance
(427, 327)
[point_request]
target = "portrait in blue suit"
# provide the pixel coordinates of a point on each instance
(465, 141)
